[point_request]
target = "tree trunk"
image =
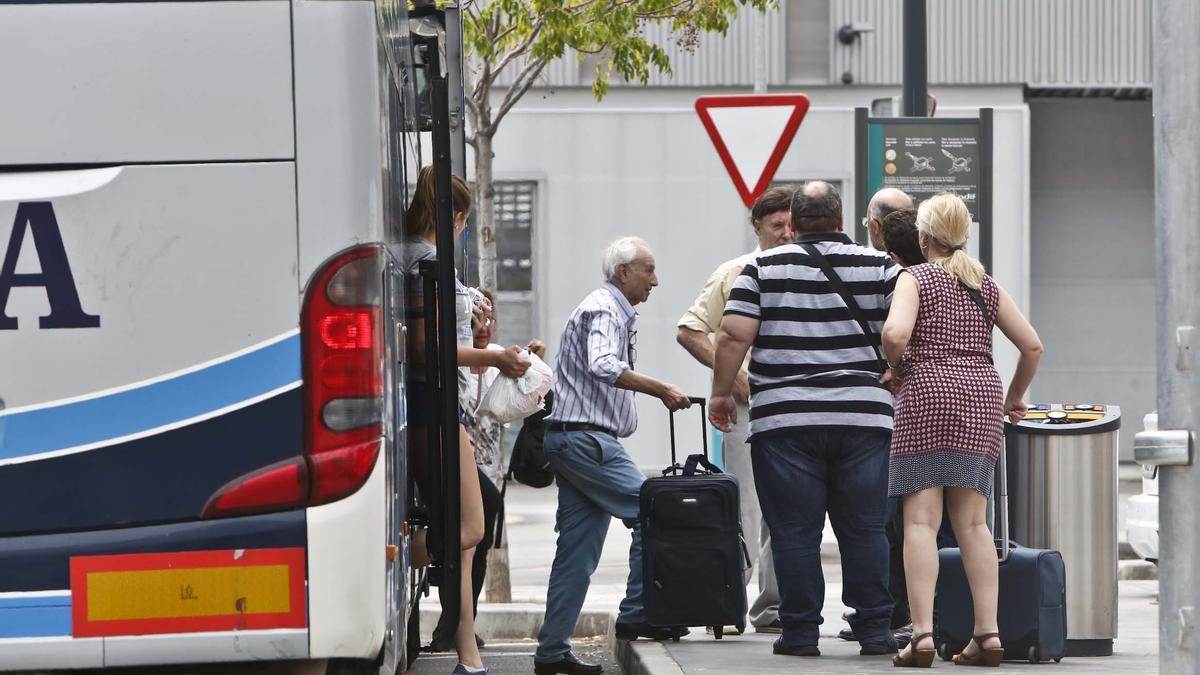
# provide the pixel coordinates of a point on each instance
(497, 584)
(485, 211)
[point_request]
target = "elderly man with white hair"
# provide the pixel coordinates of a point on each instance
(593, 391)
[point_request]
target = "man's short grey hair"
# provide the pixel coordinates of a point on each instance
(621, 252)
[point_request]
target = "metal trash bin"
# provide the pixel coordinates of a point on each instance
(1062, 495)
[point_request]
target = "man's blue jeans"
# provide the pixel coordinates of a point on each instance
(800, 475)
(597, 481)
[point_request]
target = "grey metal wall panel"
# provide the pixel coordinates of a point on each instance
(717, 60)
(1041, 43)
(726, 60)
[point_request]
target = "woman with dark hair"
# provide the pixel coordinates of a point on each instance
(420, 243)
(899, 232)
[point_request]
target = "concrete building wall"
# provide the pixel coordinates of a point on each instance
(1092, 254)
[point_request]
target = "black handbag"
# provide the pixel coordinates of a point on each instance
(529, 464)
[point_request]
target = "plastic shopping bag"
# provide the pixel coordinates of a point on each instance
(509, 400)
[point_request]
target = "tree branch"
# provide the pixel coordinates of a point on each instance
(472, 105)
(518, 88)
(472, 11)
(507, 31)
(518, 51)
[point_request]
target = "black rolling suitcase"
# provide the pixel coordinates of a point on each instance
(693, 556)
(1032, 612)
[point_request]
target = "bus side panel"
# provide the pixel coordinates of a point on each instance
(145, 82)
(183, 264)
(151, 353)
(339, 152)
(347, 559)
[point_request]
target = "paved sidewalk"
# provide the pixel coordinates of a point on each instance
(1136, 648)
(530, 516)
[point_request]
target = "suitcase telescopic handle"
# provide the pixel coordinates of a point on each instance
(1002, 499)
(703, 427)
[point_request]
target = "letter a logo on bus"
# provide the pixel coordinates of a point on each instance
(55, 276)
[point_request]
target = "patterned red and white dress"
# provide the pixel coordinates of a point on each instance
(949, 413)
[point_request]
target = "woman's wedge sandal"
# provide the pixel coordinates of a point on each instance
(989, 658)
(915, 658)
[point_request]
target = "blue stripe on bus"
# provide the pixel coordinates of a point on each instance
(42, 562)
(31, 617)
(162, 477)
(151, 406)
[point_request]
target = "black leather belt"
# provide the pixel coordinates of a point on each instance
(577, 426)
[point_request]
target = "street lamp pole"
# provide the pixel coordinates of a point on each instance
(759, 61)
(915, 98)
(1177, 172)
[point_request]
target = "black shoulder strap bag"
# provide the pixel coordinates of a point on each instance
(840, 288)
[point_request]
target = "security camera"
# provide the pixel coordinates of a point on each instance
(848, 33)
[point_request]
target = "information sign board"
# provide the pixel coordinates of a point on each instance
(924, 156)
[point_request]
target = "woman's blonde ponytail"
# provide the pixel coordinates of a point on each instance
(945, 220)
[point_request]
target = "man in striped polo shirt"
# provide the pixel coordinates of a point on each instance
(820, 415)
(594, 383)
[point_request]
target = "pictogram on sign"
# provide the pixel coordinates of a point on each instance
(751, 135)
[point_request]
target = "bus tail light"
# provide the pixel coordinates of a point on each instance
(339, 473)
(343, 355)
(272, 488)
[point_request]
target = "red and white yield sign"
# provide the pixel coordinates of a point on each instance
(752, 134)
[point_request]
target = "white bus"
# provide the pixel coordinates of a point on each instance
(203, 442)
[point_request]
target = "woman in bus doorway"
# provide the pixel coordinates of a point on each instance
(419, 243)
(949, 418)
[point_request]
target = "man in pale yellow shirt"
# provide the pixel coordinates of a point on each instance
(772, 221)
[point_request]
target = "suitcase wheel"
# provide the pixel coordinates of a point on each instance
(1033, 654)
(741, 629)
(943, 651)
(718, 632)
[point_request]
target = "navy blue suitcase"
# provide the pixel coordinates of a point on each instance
(693, 555)
(1032, 612)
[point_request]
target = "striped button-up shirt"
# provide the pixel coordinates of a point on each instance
(596, 347)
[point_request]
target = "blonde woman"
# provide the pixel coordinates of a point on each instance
(949, 418)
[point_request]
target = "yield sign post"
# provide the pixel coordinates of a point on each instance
(752, 134)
